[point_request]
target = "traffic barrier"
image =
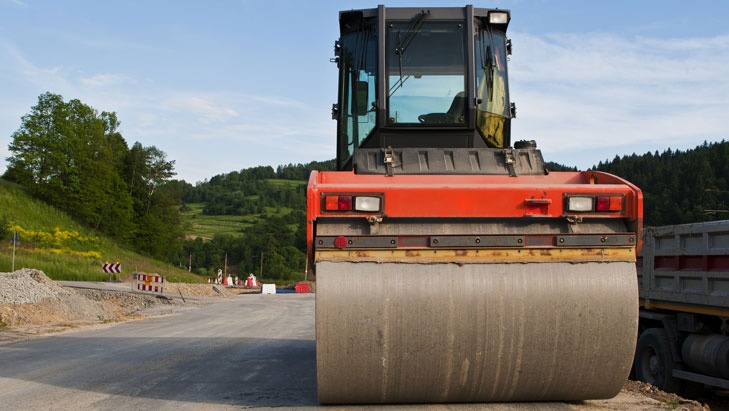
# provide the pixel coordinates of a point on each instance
(149, 278)
(153, 288)
(268, 289)
(148, 282)
(302, 288)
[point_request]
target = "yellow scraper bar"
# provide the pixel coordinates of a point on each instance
(481, 256)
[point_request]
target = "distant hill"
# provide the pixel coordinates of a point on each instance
(252, 221)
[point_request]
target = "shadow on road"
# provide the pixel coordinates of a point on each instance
(231, 371)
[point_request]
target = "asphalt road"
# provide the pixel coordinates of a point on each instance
(250, 352)
(254, 351)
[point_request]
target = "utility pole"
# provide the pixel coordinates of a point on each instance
(15, 243)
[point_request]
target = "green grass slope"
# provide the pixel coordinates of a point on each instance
(207, 226)
(52, 242)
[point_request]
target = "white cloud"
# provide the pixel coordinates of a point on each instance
(215, 133)
(604, 93)
(278, 101)
(203, 109)
(106, 80)
(20, 68)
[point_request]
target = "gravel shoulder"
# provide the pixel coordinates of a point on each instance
(31, 304)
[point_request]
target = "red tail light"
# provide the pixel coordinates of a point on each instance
(605, 203)
(345, 203)
(338, 203)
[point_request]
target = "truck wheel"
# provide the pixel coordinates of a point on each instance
(653, 360)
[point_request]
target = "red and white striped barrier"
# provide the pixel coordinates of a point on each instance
(153, 288)
(149, 278)
(149, 282)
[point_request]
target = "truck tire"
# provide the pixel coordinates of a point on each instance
(654, 363)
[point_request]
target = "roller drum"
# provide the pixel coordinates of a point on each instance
(414, 333)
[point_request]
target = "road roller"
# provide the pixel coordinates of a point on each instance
(450, 264)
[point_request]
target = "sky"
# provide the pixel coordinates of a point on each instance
(221, 86)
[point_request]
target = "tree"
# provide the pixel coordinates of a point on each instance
(147, 169)
(67, 154)
(39, 158)
(156, 203)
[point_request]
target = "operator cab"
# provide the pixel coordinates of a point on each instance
(413, 78)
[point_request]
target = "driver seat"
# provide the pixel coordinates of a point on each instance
(457, 112)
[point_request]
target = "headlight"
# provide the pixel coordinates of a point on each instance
(498, 17)
(580, 204)
(369, 204)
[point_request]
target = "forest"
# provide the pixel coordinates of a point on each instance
(73, 158)
(679, 186)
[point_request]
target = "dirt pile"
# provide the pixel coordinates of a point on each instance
(668, 400)
(27, 287)
(29, 297)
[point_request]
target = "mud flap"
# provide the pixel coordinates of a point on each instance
(413, 333)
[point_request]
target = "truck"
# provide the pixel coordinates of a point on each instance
(683, 274)
(450, 264)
